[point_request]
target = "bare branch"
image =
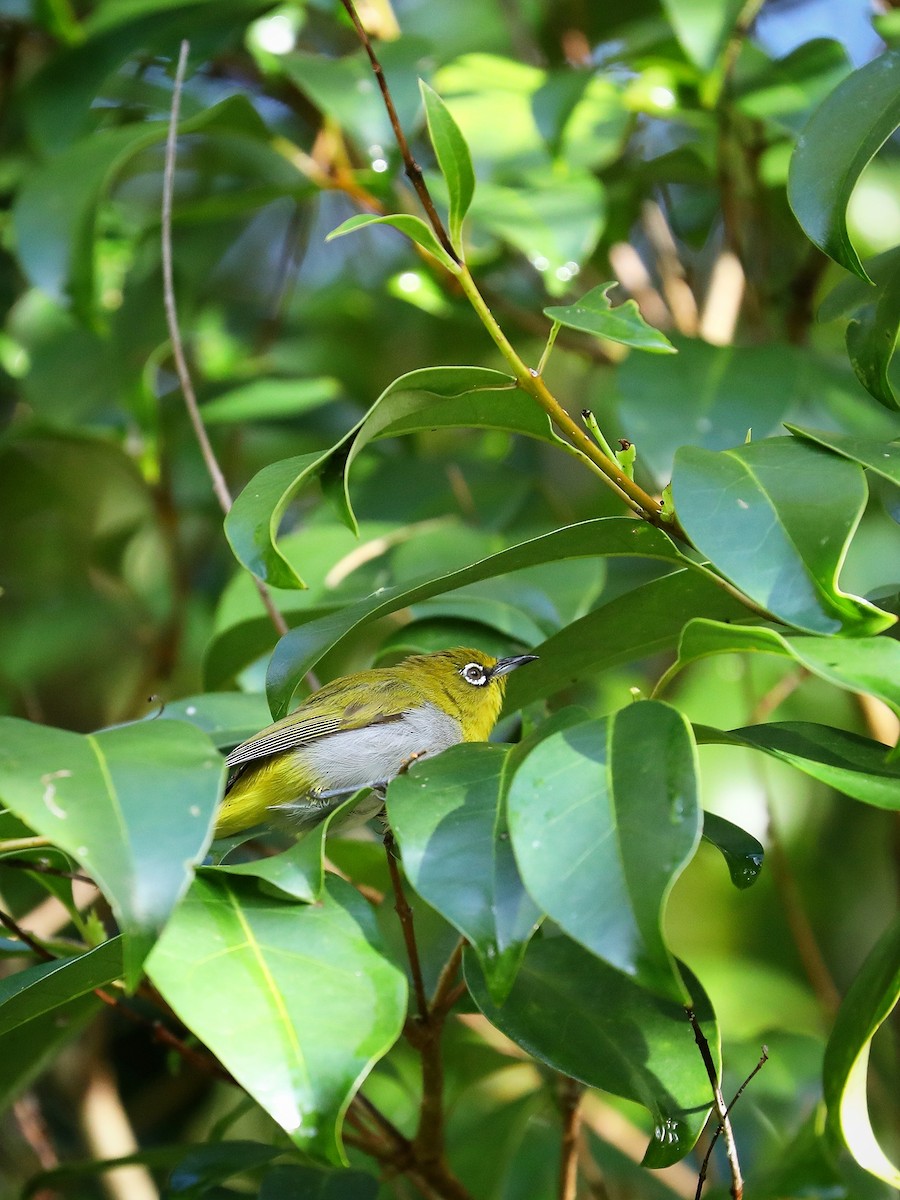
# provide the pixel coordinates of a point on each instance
(737, 1182)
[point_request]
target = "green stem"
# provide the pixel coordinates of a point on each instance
(14, 845)
(530, 381)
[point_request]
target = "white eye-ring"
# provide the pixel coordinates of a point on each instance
(475, 674)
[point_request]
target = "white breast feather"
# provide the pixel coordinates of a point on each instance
(356, 758)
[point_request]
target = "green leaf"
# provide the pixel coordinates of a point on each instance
(588, 1020)
(554, 219)
(456, 857)
(845, 761)
(270, 400)
(227, 717)
(48, 986)
(202, 1167)
(413, 227)
(708, 396)
(134, 805)
(594, 313)
(855, 664)
(881, 457)
(296, 1001)
(301, 648)
(871, 998)
(703, 29)
(637, 624)
(775, 517)
(743, 854)
(28, 1050)
(453, 159)
(252, 525)
(603, 818)
(836, 144)
(292, 1182)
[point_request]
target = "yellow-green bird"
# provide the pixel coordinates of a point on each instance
(359, 732)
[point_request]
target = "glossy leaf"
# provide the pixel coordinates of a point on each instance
(412, 227)
(252, 525)
(873, 995)
(47, 986)
(302, 648)
(647, 620)
(775, 518)
(743, 854)
(851, 764)
(881, 457)
(453, 159)
(603, 818)
(589, 1020)
(202, 1167)
(446, 816)
(594, 313)
(134, 805)
(855, 664)
(297, 1001)
(227, 717)
(836, 144)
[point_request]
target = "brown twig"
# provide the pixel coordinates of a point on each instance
(42, 868)
(570, 1093)
(220, 487)
(404, 912)
(413, 170)
(737, 1183)
(701, 1178)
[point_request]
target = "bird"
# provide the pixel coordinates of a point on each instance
(360, 731)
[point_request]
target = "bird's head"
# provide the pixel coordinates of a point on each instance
(467, 683)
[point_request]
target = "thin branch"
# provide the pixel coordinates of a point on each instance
(42, 868)
(570, 1093)
(220, 487)
(737, 1182)
(25, 938)
(701, 1178)
(413, 170)
(404, 912)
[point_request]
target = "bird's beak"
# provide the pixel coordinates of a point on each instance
(503, 666)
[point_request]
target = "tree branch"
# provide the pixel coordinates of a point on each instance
(220, 487)
(701, 1179)
(570, 1093)
(737, 1183)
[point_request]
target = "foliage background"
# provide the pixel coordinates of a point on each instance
(651, 147)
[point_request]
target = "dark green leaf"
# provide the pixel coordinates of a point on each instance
(447, 818)
(594, 313)
(134, 805)
(588, 1020)
(845, 761)
(741, 851)
(30, 1048)
(302, 648)
(202, 1167)
(453, 159)
(291, 1182)
(48, 986)
(603, 818)
(836, 144)
(871, 998)
(296, 1000)
(644, 621)
(775, 518)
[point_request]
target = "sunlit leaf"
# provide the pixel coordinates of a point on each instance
(413, 227)
(869, 1002)
(594, 313)
(296, 1000)
(48, 986)
(453, 159)
(134, 805)
(881, 457)
(836, 144)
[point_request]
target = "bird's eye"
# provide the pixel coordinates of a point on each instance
(475, 674)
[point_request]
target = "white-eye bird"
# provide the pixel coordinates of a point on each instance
(360, 731)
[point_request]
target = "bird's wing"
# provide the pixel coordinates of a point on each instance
(365, 705)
